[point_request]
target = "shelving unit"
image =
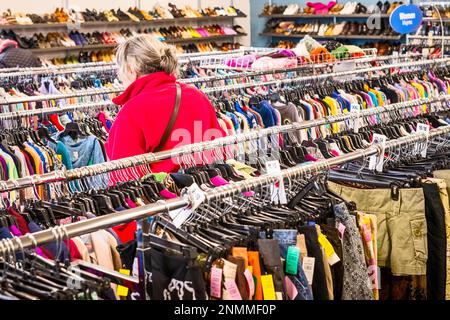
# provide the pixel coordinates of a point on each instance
(38, 26)
(109, 46)
(357, 36)
(321, 16)
(335, 18)
(96, 25)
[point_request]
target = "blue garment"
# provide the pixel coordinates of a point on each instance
(287, 238)
(374, 98)
(83, 151)
(52, 247)
(6, 234)
(267, 115)
(248, 115)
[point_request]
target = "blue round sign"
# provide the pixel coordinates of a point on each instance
(406, 18)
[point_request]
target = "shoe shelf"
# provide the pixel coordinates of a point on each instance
(109, 46)
(206, 39)
(445, 20)
(321, 16)
(354, 36)
(434, 37)
(119, 23)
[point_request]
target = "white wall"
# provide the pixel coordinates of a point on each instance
(47, 6)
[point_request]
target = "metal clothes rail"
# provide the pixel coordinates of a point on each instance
(148, 158)
(101, 66)
(8, 246)
(327, 75)
(91, 92)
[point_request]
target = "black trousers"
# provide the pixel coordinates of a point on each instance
(437, 242)
(319, 285)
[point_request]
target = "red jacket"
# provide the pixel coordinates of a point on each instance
(147, 106)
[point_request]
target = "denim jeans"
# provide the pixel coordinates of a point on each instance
(287, 238)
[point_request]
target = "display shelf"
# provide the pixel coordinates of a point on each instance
(109, 46)
(39, 26)
(357, 36)
(322, 16)
(446, 20)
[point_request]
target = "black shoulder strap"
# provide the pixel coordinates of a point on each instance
(172, 120)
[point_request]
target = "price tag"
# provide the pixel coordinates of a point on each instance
(250, 283)
(121, 290)
(216, 282)
(268, 287)
(291, 290)
(278, 193)
(356, 108)
(332, 257)
(423, 128)
(341, 229)
(376, 162)
(195, 196)
(292, 257)
(233, 290)
(308, 267)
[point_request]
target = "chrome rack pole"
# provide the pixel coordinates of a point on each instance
(102, 222)
(68, 175)
(4, 101)
(51, 110)
(326, 75)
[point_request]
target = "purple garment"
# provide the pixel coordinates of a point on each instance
(5, 167)
(283, 53)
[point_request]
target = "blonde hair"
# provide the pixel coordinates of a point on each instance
(144, 54)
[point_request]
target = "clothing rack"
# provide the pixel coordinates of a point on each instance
(298, 68)
(144, 159)
(100, 66)
(90, 92)
(53, 110)
(8, 246)
(326, 75)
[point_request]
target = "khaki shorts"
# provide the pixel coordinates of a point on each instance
(401, 224)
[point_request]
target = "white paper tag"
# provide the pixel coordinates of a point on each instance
(195, 196)
(376, 162)
(308, 268)
(278, 193)
(423, 128)
(75, 155)
(356, 108)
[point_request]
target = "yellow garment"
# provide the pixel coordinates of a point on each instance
(366, 225)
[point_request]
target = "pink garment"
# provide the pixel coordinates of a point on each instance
(219, 181)
(267, 63)
(102, 118)
(166, 194)
(334, 153)
(130, 203)
(309, 157)
(16, 232)
(248, 193)
(242, 62)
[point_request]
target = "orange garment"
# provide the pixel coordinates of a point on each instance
(253, 261)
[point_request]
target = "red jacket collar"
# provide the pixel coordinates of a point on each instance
(144, 83)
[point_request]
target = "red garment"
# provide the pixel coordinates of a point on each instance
(126, 231)
(73, 249)
(21, 222)
(147, 106)
(54, 119)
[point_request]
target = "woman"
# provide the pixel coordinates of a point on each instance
(158, 113)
